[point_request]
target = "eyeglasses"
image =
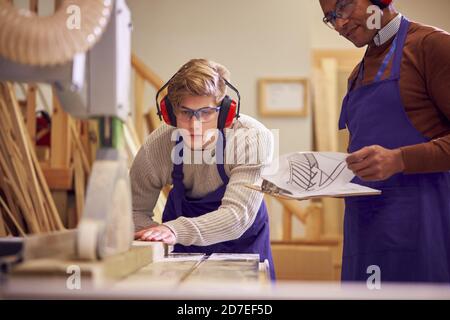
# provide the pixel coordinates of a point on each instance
(344, 10)
(203, 115)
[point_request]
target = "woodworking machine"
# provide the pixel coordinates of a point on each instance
(90, 71)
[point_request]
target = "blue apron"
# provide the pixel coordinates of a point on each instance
(256, 239)
(406, 230)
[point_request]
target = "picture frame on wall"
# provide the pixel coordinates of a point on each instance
(283, 97)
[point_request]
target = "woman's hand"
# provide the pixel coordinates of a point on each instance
(159, 233)
(375, 163)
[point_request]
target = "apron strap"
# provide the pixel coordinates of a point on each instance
(177, 179)
(402, 34)
(386, 60)
(220, 156)
(343, 116)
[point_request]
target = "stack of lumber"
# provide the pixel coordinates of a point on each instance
(26, 204)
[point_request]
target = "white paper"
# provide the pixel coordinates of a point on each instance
(304, 175)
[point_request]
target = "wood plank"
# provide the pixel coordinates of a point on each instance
(17, 197)
(11, 216)
(85, 140)
(287, 225)
(42, 153)
(152, 120)
(94, 274)
(79, 146)
(132, 129)
(58, 178)
(61, 202)
(31, 111)
(26, 177)
(94, 138)
(47, 195)
(348, 58)
(145, 72)
(3, 231)
(293, 207)
(314, 222)
(60, 136)
(26, 148)
(139, 105)
(306, 263)
(79, 186)
(8, 192)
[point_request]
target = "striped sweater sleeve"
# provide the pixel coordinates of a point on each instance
(146, 184)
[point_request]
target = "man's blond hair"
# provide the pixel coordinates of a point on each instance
(198, 77)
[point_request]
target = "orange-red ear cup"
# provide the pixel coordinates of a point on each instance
(231, 114)
(167, 113)
(227, 113)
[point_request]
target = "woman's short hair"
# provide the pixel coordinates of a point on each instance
(198, 77)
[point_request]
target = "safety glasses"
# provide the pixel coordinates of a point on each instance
(344, 9)
(205, 114)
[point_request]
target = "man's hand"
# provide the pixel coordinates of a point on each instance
(158, 233)
(375, 163)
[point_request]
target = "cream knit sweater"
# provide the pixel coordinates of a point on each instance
(249, 147)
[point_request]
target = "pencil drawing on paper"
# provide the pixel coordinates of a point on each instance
(308, 174)
(305, 175)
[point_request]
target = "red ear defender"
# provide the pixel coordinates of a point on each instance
(166, 112)
(226, 114)
(231, 114)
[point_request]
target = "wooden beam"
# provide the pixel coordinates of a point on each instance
(60, 136)
(60, 199)
(287, 225)
(47, 195)
(314, 222)
(80, 185)
(94, 139)
(3, 231)
(31, 111)
(152, 119)
(13, 206)
(13, 219)
(139, 105)
(79, 146)
(22, 181)
(95, 274)
(293, 207)
(145, 72)
(58, 178)
(21, 136)
(85, 140)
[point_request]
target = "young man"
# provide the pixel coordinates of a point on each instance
(209, 209)
(397, 111)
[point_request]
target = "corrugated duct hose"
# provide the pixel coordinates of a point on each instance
(30, 39)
